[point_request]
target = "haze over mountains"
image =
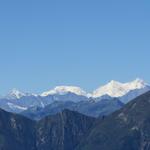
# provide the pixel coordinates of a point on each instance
(102, 101)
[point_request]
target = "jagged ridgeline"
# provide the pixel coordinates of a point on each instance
(102, 101)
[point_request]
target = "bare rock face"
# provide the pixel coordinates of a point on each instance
(16, 132)
(62, 131)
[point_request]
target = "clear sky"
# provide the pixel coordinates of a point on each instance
(44, 43)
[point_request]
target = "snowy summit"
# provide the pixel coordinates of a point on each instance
(112, 89)
(16, 94)
(118, 89)
(64, 90)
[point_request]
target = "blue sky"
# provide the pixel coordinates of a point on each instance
(64, 42)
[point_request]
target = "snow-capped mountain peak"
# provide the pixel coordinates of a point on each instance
(17, 101)
(114, 83)
(16, 94)
(137, 84)
(64, 90)
(117, 89)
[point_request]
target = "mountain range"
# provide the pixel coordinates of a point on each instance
(125, 129)
(102, 101)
